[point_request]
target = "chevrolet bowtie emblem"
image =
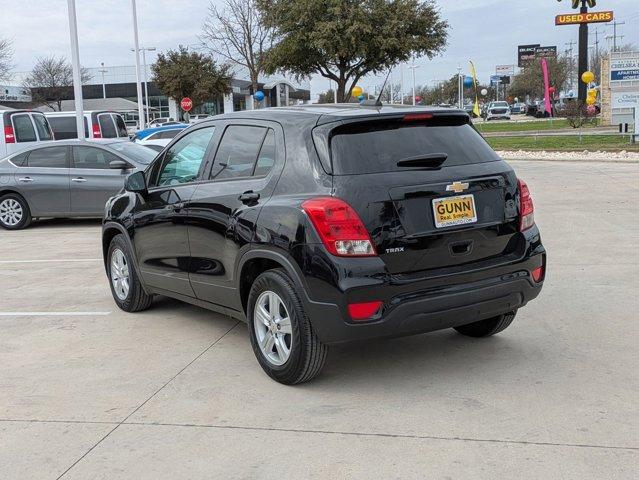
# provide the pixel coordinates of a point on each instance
(457, 187)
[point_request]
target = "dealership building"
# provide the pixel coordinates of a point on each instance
(114, 88)
(620, 87)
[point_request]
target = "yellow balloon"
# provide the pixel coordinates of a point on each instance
(357, 91)
(591, 100)
(588, 77)
(593, 92)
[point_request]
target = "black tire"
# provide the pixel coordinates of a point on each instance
(137, 299)
(25, 221)
(307, 354)
(488, 327)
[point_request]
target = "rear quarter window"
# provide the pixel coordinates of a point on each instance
(377, 146)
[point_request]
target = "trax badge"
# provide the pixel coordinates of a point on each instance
(457, 187)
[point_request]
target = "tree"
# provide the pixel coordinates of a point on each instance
(327, 97)
(531, 80)
(237, 34)
(51, 80)
(6, 58)
(181, 73)
(344, 40)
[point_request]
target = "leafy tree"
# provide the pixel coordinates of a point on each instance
(530, 80)
(327, 97)
(236, 33)
(181, 73)
(344, 40)
(51, 80)
(6, 58)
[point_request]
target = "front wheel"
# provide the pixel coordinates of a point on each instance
(282, 338)
(488, 327)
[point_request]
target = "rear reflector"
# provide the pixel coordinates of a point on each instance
(363, 311)
(9, 137)
(526, 207)
(97, 133)
(538, 274)
(339, 227)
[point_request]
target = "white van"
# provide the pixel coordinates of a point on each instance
(98, 124)
(21, 129)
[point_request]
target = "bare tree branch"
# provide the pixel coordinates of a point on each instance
(6, 58)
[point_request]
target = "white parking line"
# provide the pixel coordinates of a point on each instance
(52, 314)
(4, 262)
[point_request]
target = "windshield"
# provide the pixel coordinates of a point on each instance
(376, 147)
(500, 105)
(135, 152)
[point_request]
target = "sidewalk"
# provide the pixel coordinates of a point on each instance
(583, 156)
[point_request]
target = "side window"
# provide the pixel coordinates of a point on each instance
(169, 134)
(237, 152)
(181, 163)
(51, 157)
(42, 126)
(266, 158)
(120, 125)
(107, 126)
(23, 128)
(91, 157)
(20, 160)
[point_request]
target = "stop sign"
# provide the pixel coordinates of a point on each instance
(186, 104)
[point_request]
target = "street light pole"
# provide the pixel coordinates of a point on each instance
(145, 80)
(413, 67)
(77, 75)
(137, 64)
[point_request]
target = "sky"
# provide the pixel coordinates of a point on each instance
(485, 31)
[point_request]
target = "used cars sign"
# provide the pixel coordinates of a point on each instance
(590, 17)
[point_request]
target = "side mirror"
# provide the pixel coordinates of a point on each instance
(118, 165)
(136, 183)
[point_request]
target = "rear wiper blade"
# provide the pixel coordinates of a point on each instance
(430, 160)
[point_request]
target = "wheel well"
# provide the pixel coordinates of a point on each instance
(107, 237)
(250, 271)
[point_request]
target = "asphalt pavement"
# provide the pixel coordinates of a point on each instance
(90, 392)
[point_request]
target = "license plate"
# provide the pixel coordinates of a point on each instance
(451, 211)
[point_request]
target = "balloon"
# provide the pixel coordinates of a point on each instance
(591, 100)
(591, 110)
(361, 98)
(552, 90)
(468, 82)
(259, 95)
(357, 91)
(418, 99)
(484, 92)
(588, 77)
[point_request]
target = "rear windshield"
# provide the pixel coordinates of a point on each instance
(65, 128)
(376, 147)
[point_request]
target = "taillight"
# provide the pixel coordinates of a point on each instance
(97, 133)
(363, 311)
(526, 208)
(417, 117)
(339, 227)
(538, 274)
(9, 136)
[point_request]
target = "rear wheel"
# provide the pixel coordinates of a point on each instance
(125, 285)
(14, 212)
(282, 338)
(488, 327)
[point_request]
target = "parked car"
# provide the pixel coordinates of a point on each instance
(22, 129)
(470, 110)
(159, 136)
(197, 117)
(498, 110)
(158, 122)
(518, 109)
(69, 178)
(324, 224)
(98, 124)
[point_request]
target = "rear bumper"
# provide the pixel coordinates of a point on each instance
(425, 304)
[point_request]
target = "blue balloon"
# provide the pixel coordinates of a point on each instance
(259, 95)
(361, 98)
(468, 82)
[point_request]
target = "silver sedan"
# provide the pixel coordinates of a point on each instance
(71, 178)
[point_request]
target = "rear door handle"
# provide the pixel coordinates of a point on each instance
(249, 197)
(79, 179)
(26, 179)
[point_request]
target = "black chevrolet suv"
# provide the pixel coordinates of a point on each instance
(325, 224)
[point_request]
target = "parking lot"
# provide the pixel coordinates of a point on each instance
(88, 391)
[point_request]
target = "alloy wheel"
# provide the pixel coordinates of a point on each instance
(10, 212)
(120, 274)
(273, 329)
